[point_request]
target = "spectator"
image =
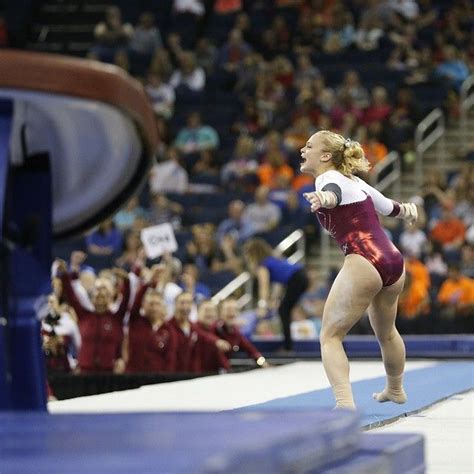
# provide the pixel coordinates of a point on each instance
(235, 225)
(161, 95)
(125, 218)
(413, 306)
(305, 70)
(274, 170)
(169, 176)
(189, 77)
(233, 52)
(379, 108)
(206, 55)
(146, 38)
(111, 35)
(189, 282)
(240, 171)
(369, 33)
(262, 214)
(449, 231)
(352, 87)
(456, 296)
(452, 68)
(162, 277)
(133, 255)
(106, 240)
(163, 210)
(226, 329)
(467, 260)
(60, 336)
(152, 347)
(100, 328)
(413, 240)
(340, 35)
(196, 137)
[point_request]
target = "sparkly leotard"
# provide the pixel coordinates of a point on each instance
(355, 225)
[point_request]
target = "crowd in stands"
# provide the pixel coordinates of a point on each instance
(237, 88)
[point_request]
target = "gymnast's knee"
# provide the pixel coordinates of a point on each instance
(388, 337)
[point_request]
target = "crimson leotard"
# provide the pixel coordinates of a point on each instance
(355, 225)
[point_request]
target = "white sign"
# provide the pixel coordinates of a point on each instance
(158, 240)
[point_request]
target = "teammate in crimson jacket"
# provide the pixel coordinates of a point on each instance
(195, 347)
(226, 329)
(101, 329)
(152, 345)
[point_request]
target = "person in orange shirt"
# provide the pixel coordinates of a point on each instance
(273, 170)
(418, 271)
(449, 231)
(413, 305)
(456, 294)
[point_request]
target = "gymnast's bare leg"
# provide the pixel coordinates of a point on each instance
(382, 313)
(355, 286)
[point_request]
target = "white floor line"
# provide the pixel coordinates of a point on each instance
(221, 392)
(448, 428)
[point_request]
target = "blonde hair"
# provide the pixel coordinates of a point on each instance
(347, 155)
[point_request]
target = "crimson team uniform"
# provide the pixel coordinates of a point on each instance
(236, 339)
(101, 334)
(197, 351)
(150, 349)
(355, 225)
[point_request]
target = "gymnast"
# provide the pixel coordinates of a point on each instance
(373, 273)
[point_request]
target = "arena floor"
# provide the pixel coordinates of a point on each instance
(440, 405)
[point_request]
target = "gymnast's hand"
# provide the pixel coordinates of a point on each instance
(319, 199)
(408, 212)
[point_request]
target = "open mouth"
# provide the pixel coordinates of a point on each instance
(303, 160)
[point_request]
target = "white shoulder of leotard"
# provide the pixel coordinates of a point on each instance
(331, 176)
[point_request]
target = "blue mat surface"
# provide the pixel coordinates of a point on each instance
(224, 442)
(423, 386)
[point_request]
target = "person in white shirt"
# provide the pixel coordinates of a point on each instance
(189, 74)
(169, 176)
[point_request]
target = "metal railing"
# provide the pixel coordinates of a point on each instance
(466, 99)
(391, 178)
(428, 131)
(245, 280)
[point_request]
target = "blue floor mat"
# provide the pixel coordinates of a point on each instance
(423, 386)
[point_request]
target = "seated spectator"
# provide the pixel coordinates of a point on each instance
(146, 38)
(433, 191)
(152, 346)
(352, 87)
(413, 306)
(467, 260)
(235, 225)
(100, 328)
(413, 240)
(251, 122)
(111, 35)
(189, 282)
(133, 254)
(262, 214)
(379, 108)
(105, 240)
(233, 52)
(169, 176)
(125, 218)
(452, 69)
(418, 271)
(456, 296)
(162, 95)
(240, 171)
(305, 70)
(368, 34)
(195, 348)
(61, 338)
(189, 76)
(449, 231)
(340, 35)
(311, 304)
(226, 329)
(196, 137)
(206, 55)
(206, 165)
(274, 170)
(296, 135)
(163, 210)
(375, 151)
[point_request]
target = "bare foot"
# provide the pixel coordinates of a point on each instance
(396, 396)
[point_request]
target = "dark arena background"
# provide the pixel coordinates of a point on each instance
(144, 145)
